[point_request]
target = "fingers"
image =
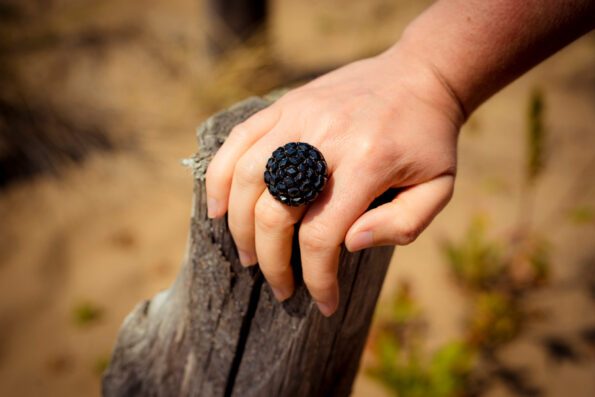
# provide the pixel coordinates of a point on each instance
(220, 171)
(246, 188)
(274, 227)
(322, 231)
(402, 220)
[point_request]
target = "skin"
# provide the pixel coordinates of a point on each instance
(386, 121)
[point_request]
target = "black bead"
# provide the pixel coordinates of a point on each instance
(294, 160)
(320, 168)
(278, 154)
(288, 181)
(319, 182)
(303, 146)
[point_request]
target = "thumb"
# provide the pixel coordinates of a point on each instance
(403, 219)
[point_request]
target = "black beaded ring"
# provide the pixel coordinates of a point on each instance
(296, 173)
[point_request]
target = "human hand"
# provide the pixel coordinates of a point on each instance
(380, 123)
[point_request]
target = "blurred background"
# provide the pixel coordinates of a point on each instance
(99, 101)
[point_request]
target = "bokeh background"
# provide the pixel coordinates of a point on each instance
(99, 101)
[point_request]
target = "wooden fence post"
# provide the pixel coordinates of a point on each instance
(218, 331)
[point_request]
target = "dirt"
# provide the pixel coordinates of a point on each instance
(111, 231)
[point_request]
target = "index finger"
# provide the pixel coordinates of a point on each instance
(220, 171)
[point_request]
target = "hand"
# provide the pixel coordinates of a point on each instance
(382, 122)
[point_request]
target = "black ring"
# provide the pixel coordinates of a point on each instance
(296, 173)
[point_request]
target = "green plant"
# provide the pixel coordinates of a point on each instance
(496, 279)
(582, 215)
(100, 364)
(404, 366)
(85, 313)
(495, 319)
(535, 136)
(476, 262)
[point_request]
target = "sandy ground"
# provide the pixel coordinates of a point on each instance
(112, 231)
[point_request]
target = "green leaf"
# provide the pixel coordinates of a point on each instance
(100, 364)
(450, 368)
(475, 261)
(582, 215)
(85, 313)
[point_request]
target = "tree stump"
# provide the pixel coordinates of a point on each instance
(218, 330)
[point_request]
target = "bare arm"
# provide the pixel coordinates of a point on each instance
(480, 46)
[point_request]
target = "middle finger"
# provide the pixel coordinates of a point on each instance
(274, 228)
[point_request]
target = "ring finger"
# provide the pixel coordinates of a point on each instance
(274, 228)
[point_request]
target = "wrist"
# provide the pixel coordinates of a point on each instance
(422, 79)
(444, 53)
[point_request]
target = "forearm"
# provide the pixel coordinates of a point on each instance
(476, 47)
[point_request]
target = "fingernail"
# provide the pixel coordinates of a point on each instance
(361, 240)
(280, 293)
(212, 208)
(246, 259)
(326, 309)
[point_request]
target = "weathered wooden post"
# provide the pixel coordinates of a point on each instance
(218, 331)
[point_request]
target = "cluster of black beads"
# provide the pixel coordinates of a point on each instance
(296, 173)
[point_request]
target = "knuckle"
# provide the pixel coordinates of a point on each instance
(320, 284)
(367, 148)
(314, 238)
(407, 231)
(331, 118)
(268, 217)
(238, 131)
(247, 172)
(276, 275)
